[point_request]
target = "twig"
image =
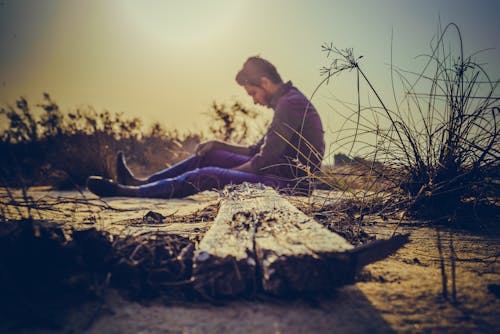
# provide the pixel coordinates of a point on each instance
(444, 278)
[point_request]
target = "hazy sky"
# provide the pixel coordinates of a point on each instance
(168, 60)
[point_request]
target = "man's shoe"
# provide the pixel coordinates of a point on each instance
(102, 187)
(123, 174)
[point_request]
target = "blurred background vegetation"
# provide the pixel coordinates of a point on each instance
(44, 145)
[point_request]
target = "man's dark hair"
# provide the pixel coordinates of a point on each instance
(254, 69)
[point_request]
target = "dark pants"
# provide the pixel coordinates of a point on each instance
(195, 174)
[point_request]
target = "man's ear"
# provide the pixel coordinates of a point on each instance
(265, 83)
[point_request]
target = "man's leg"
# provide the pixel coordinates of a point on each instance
(215, 158)
(201, 179)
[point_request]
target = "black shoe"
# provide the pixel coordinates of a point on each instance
(123, 174)
(102, 187)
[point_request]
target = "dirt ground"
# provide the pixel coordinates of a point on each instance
(443, 281)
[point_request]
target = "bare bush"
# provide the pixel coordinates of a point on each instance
(441, 147)
(44, 146)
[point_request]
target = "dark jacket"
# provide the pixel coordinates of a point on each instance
(294, 142)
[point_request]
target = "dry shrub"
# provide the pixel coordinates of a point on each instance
(44, 146)
(439, 148)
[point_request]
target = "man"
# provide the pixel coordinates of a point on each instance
(285, 158)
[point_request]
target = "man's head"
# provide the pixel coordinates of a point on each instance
(260, 80)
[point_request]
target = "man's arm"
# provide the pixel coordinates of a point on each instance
(279, 137)
(219, 145)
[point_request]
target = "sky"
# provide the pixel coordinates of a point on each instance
(168, 60)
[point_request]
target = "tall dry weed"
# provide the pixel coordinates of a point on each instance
(439, 147)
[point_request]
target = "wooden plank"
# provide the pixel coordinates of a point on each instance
(259, 241)
(256, 228)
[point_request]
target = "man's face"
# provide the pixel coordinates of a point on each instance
(259, 95)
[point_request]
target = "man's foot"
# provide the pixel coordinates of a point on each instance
(102, 187)
(124, 174)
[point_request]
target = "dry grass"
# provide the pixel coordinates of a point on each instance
(439, 150)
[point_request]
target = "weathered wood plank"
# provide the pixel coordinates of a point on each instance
(256, 228)
(261, 241)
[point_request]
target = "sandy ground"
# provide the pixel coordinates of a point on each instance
(402, 294)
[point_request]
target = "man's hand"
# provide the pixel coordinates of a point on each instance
(246, 167)
(207, 146)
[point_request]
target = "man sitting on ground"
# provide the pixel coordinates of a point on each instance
(284, 158)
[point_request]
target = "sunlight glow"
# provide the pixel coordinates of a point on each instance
(182, 22)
